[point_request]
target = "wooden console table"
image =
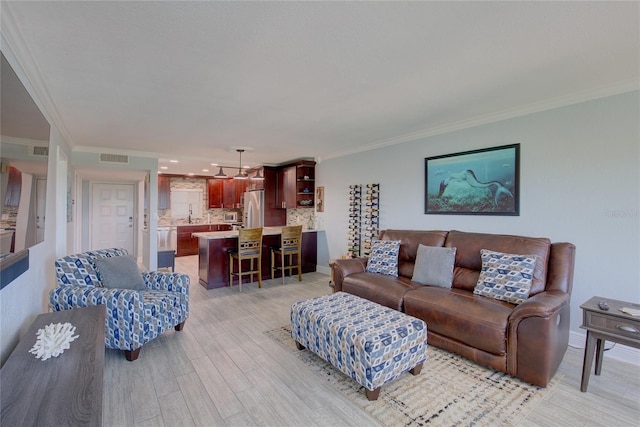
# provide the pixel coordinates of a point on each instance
(63, 390)
(612, 325)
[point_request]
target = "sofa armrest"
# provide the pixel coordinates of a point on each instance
(344, 267)
(543, 304)
(68, 297)
(166, 281)
(124, 328)
(538, 336)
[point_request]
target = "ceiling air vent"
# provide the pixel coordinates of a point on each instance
(114, 158)
(39, 151)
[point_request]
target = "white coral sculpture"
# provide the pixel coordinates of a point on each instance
(53, 340)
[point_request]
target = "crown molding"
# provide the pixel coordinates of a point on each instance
(536, 107)
(104, 150)
(24, 65)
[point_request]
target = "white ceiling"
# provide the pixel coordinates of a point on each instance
(194, 80)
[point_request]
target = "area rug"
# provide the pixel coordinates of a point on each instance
(450, 391)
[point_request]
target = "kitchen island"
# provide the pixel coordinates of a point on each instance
(213, 259)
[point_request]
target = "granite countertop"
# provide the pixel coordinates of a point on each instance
(266, 231)
(191, 225)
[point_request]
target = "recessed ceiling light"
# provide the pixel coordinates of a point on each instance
(164, 167)
(173, 161)
(214, 164)
(190, 174)
(205, 170)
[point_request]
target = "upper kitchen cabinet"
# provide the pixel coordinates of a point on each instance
(164, 192)
(14, 187)
(225, 193)
(296, 187)
(286, 195)
(215, 192)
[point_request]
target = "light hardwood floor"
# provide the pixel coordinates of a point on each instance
(221, 370)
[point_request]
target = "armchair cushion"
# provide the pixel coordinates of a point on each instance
(120, 272)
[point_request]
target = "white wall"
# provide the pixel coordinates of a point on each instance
(579, 182)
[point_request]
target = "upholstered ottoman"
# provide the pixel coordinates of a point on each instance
(370, 343)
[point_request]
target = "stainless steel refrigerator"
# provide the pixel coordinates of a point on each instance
(253, 216)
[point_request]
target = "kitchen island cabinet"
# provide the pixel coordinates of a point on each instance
(213, 260)
(187, 244)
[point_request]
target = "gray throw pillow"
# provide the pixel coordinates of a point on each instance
(434, 266)
(120, 272)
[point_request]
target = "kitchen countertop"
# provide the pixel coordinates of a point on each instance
(191, 225)
(266, 231)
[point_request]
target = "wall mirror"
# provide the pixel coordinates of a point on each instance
(24, 152)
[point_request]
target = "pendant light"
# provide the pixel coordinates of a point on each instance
(241, 174)
(258, 176)
(220, 174)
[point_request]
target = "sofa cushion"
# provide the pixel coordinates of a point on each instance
(385, 290)
(469, 263)
(409, 241)
(384, 257)
(470, 319)
(434, 266)
(506, 277)
(120, 272)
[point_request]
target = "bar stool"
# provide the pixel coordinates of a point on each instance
(249, 248)
(290, 245)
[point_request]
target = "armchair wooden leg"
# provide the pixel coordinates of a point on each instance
(179, 326)
(132, 355)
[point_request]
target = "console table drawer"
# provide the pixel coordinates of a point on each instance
(618, 326)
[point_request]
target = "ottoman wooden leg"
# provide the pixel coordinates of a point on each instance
(299, 346)
(372, 394)
(416, 369)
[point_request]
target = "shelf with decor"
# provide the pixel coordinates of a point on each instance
(296, 185)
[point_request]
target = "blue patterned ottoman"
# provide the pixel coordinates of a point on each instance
(370, 343)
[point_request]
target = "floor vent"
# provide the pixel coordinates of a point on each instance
(114, 158)
(40, 151)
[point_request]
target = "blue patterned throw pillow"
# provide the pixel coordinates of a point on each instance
(383, 258)
(505, 277)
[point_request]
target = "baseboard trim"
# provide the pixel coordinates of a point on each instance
(323, 269)
(619, 352)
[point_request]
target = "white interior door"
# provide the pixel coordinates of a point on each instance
(112, 223)
(41, 191)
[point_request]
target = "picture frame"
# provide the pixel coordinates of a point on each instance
(320, 199)
(477, 182)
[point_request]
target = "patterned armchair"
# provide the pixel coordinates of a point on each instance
(133, 317)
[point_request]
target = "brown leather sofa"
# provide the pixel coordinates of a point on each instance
(526, 341)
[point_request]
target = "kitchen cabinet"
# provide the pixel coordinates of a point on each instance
(295, 188)
(164, 192)
(287, 188)
(215, 192)
(226, 193)
(273, 215)
(188, 245)
(14, 187)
